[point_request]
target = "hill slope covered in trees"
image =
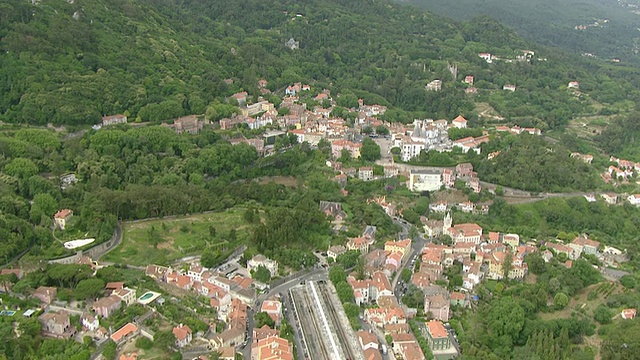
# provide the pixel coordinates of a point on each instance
(70, 63)
(610, 25)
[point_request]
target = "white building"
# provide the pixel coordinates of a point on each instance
(261, 260)
(411, 149)
(425, 180)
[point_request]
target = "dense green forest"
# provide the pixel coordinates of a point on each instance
(531, 163)
(70, 63)
(553, 22)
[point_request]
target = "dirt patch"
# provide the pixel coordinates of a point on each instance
(165, 245)
(280, 180)
(450, 196)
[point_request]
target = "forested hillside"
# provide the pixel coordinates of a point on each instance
(609, 25)
(71, 63)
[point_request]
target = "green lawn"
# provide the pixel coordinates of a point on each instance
(161, 241)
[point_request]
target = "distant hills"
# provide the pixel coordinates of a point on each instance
(605, 28)
(70, 63)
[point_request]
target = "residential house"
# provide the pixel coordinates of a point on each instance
(468, 80)
(240, 97)
(628, 314)
(512, 240)
(406, 346)
(435, 85)
(261, 260)
(360, 243)
(390, 171)
(114, 119)
(634, 199)
(334, 209)
(474, 185)
(438, 305)
(432, 227)
(509, 87)
(459, 122)
(56, 324)
(384, 316)
(458, 299)
(61, 217)
(353, 148)
(464, 170)
(129, 356)
(584, 157)
(183, 335)
(188, 124)
(157, 272)
(562, 249)
(367, 340)
(437, 336)
(365, 173)
(582, 244)
(233, 336)
(273, 348)
(107, 306)
(466, 207)
(573, 85)
(89, 322)
(610, 198)
(46, 294)
(486, 57)
(336, 251)
(126, 332)
(439, 206)
(128, 296)
(274, 309)
(402, 246)
(448, 178)
(590, 197)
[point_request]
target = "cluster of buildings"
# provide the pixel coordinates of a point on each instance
(517, 130)
(433, 179)
(480, 254)
(624, 170)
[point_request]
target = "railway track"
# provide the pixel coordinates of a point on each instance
(342, 334)
(309, 325)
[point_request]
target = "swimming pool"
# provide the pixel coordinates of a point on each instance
(148, 297)
(7, 312)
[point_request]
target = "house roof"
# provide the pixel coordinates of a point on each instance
(63, 214)
(457, 296)
(181, 332)
(436, 329)
(130, 356)
(274, 348)
(46, 291)
(114, 285)
(372, 354)
(460, 118)
(366, 337)
(107, 301)
(124, 331)
(61, 317)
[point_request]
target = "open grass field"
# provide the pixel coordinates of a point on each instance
(162, 241)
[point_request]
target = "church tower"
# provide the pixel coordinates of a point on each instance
(446, 224)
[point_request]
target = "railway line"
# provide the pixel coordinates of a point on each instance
(346, 339)
(324, 333)
(310, 327)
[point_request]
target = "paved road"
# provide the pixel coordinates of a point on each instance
(416, 248)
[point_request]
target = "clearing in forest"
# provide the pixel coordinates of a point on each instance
(162, 241)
